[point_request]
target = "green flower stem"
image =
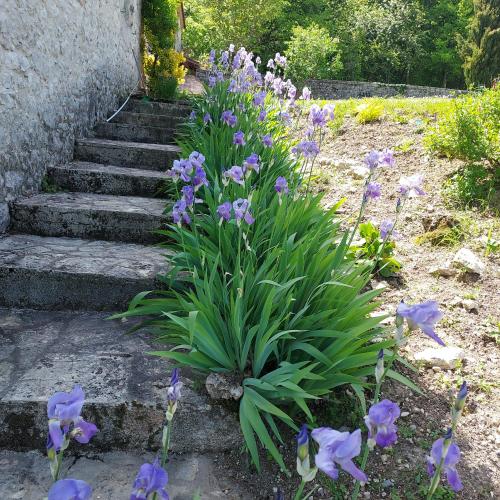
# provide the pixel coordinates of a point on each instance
(298, 494)
(361, 212)
(435, 480)
(164, 454)
(376, 397)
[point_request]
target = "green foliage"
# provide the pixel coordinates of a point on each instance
(163, 87)
(312, 53)
(470, 129)
(373, 249)
(393, 41)
(369, 112)
(474, 185)
(482, 49)
(160, 23)
(214, 24)
(276, 302)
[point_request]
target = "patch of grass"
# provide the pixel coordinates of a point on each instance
(405, 146)
(405, 431)
(443, 236)
(474, 185)
(369, 112)
(397, 109)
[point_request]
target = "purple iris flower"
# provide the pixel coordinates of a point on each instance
(317, 116)
(280, 60)
(278, 86)
(174, 389)
(309, 149)
(252, 163)
(239, 138)
(231, 47)
(192, 115)
(281, 186)
(152, 478)
(188, 195)
(450, 461)
(338, 448)
(229, 118)
(269, 78)
(70, 489)
(412, 185)
(179, 213)
(181, 169)
(306, 94)
(212, 81)
(386, 227)
(267, 140)
(207, 118)
(372, 159)
(258, 99)
(236, 174)
(224, 58)
(63, 410)
(262, 115)
(380, 422)
(270, 64)
(241, 209)
(373, 191)
(423, 316)
(211, 57)
(199, 178)
(387, 157)
(329, 111)
(224, 211)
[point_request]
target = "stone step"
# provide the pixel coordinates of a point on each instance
(92, 216)
(111, 475)
(151, 120)
(160, 108)
(69, 273)
(126, 154)
(126, 389)
(134, 133)
(86, 177)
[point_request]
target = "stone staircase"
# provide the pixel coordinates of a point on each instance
(77, 251)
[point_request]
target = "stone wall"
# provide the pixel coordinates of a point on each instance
(64, 64)
(338, 89)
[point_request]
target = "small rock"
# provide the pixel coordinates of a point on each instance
(470, 305)
(469, 261)
(224, 386)
(359, 171)
(445, 271)
(387, 483)
(405, 413)
(384, 458)
(448, 358)
(366, 494)
(432, 222)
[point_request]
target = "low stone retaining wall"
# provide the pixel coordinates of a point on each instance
(339, 89)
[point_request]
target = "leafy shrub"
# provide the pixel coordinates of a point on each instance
(474, 185)
(275, 302)
(373, 248)
(162, 64)
(312, 53)
(470, 130)
(369, 112)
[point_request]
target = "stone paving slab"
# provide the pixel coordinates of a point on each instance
(134, 133)
(44, 352)
(90, 215)
(86, 177)
(160, 108)
(152, 120)
(127, 154)
(26, 476)
(69, 273)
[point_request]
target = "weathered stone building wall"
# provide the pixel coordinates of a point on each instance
(338, 89)
(64, 64)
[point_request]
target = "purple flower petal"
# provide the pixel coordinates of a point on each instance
(70, 489)
(84, 431)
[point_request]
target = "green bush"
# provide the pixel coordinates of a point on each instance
(312, 53)
(277, 303)
(470, 130)
(474, 185)
(163, 88)
(369, 112)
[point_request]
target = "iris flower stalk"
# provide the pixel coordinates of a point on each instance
(380, 374)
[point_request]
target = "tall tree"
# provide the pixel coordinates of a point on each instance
(482, 50)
